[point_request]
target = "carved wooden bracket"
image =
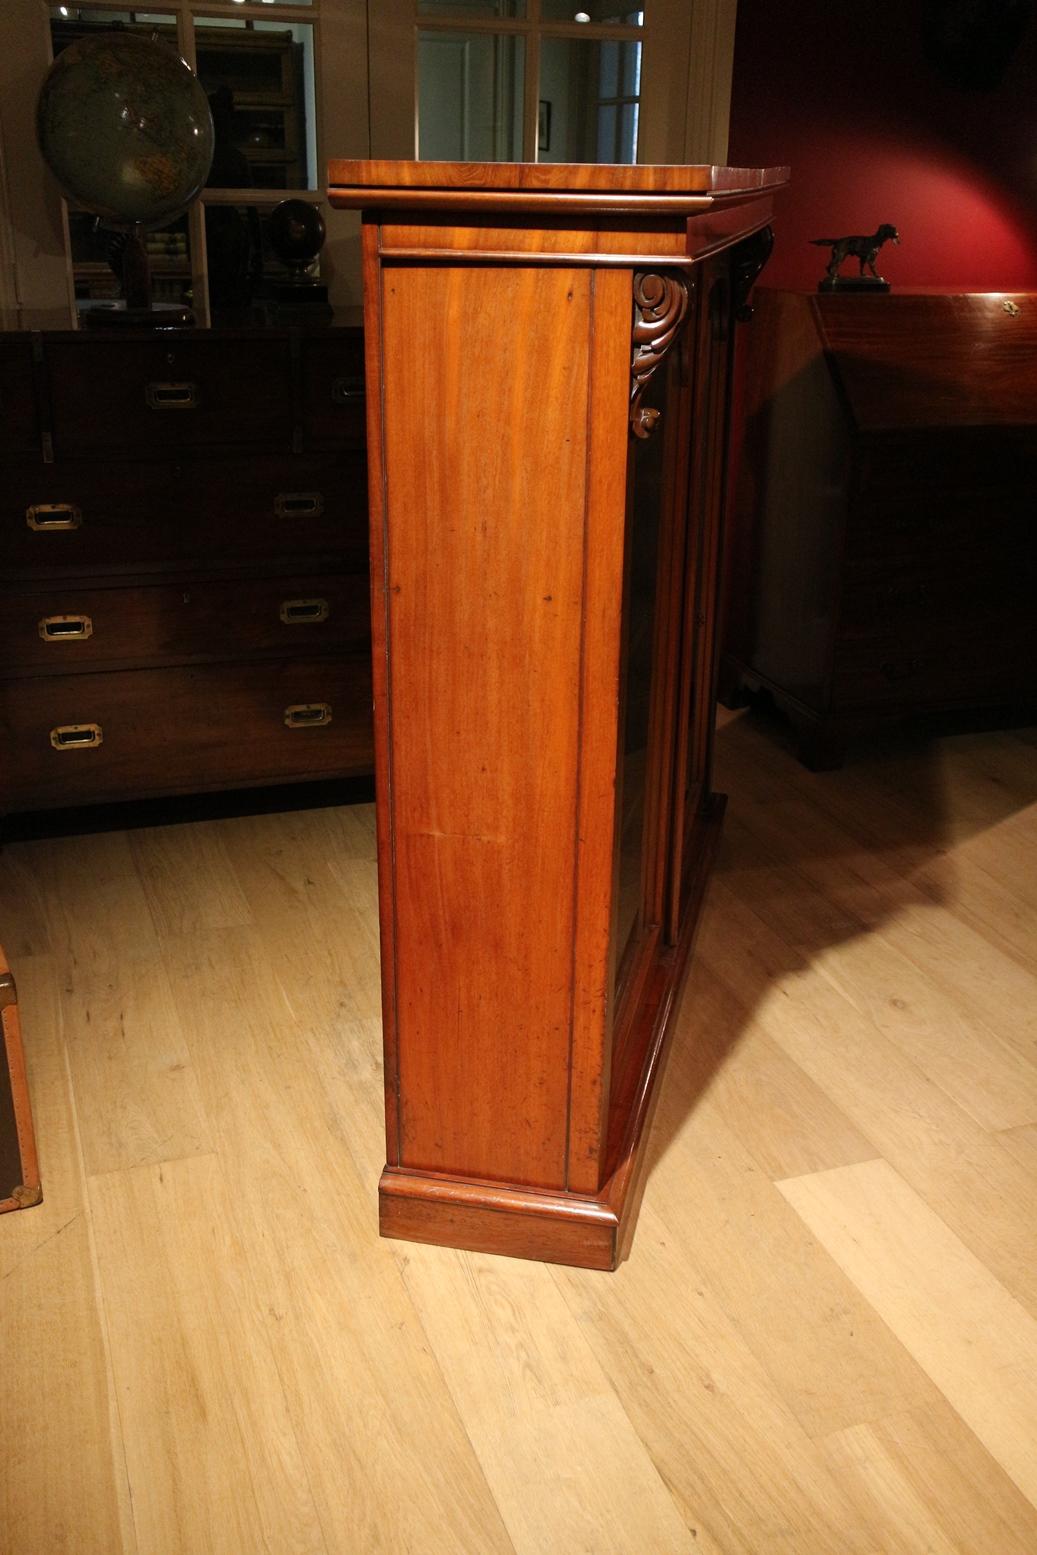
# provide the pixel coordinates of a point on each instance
(747, 260)
(660, 307)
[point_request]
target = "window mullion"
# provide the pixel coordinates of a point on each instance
(531, 109)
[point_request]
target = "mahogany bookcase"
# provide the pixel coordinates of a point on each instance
(548, 354)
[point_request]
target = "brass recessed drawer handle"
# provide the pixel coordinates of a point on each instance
(56, 629)
(307, 715)
(53, 515)
(298, 612)
(171, 396)
(74, 737)
(299, 504)
(346, 391)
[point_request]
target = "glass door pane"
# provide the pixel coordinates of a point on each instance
(470, 88)
(589, 99)
(259, 78)
(640, 653)
(693, 776)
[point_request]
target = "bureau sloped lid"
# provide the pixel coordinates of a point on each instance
(906, 360)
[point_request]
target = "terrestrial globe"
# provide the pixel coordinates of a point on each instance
(125, 128)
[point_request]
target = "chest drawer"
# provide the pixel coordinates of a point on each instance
(69, 630)
(940, 495)
(77, 516)
(334, 401)
(992, 662)
(161, 395)
(85, 738)
(955, 598)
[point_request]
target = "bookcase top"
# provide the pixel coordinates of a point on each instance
(559, 185)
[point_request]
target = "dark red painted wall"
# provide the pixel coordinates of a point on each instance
(845, 94)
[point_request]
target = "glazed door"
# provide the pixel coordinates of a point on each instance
(668, 669)
(654, 604)
(710, 350)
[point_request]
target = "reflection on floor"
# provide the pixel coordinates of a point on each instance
(824, 1342)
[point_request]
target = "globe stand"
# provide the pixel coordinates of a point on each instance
(139, 312)
(303, 295)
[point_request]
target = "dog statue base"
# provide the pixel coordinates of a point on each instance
(853, 283)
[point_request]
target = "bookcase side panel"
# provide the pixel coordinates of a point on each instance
(485, 465)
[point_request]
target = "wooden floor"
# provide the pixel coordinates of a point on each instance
(824, 1342)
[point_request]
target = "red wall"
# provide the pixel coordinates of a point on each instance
(845, 94)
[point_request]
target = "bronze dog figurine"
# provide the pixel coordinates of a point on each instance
(863, 249)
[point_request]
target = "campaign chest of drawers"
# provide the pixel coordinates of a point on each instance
(183, 563)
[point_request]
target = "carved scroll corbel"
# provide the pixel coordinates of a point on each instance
(747, 260)
(660, 308)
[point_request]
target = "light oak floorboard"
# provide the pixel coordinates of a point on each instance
(885, 845)
(722, 1060)
(62, 1486)
(777, 1284)
(185, 874)
(895, 966)
(982, 1350)
(213, 1461)
(95, 905)
(137, 1096)
(728, 1446)
(207, 1346)
(933, 1460)
(1022, 1142)
(361, 1383)
(961, 1169)
(559, 1451)
(888, 1505)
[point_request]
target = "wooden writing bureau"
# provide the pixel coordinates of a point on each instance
(183, 562)
(548, 353)
(884, 563)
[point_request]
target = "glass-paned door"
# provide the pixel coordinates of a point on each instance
(526, 86)
(470, 96)
(526, 80)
